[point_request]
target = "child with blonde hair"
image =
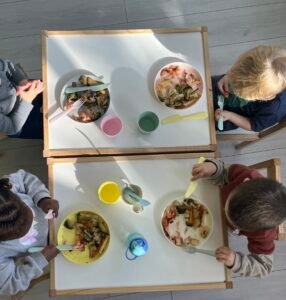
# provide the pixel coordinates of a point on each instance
(254, 89)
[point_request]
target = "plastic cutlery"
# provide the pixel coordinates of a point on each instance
(193, 185)
(76, 106)
(127, 183)
(193, 250)
(59, 247)
(175, 118)
(94, 88)
(220, 104)
(141, 201)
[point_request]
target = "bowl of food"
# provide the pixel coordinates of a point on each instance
(88, 232)
(187, 222)
(178, 85)
(96, 103)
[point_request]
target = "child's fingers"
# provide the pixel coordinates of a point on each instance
(56, 208)
(39, 87)
(196, 169)
(33, 85)
(223, 253)
(22, 88)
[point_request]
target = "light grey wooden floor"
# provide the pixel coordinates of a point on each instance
(234, 26)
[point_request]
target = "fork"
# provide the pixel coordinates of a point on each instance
(76, 105)
(220, 104)
(193, 250)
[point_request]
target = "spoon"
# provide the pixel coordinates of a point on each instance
(220, 104)
(142, 201)
(193, 185)
(127, 183)
(193, 250)
(59, 247)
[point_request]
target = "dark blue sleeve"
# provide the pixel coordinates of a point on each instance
(264, 114)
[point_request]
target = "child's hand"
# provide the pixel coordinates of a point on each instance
(225, 255)
(30, 90)
(223, 85)
(203, 170)
(227, 115)
(50, 252)
(47, 203)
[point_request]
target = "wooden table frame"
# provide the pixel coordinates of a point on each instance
(227, 284)
(113, 151)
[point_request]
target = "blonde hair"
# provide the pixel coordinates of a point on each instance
(259, 73)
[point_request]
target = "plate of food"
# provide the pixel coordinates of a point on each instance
(96, 103)
(187, 222)
(178, 85)
(88, 232)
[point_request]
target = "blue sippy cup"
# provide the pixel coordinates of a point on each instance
(136, 246)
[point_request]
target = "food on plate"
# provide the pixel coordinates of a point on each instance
(90, 231)
(186, 222)
(95, 103)
(178, 85)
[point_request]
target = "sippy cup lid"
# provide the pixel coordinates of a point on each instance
(139, 246)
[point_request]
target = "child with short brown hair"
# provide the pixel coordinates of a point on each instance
(254, 206)
(254, 89)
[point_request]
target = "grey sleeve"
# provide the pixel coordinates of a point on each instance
(29, 184)
(17, 277)
(253, 265)
(14, 122)
(220, 177)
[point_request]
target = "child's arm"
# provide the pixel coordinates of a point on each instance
(212, 169)
(13, 123)
(29, 184)
(251, 265)
(16, 277)
(236, 119)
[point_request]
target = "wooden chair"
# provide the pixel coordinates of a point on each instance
(252, 137)
(273, 168)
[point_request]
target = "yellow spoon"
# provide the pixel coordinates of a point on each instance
(193, 185)
(175, 118)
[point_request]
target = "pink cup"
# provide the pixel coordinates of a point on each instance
(111, 125)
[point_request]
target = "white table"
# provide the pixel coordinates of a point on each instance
(74, 182)
(129, 59)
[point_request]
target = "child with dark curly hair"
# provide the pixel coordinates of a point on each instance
(24, 201)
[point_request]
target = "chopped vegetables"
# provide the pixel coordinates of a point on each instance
(178, 86)
(186, 222)
(96, 103)
(69, 224)
(91, 231)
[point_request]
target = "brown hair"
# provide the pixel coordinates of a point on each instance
(259, 73)
(15, 216)
(257, 204)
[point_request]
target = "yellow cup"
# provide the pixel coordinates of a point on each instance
(109, 192)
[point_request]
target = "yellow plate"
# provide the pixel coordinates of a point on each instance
(67, 236)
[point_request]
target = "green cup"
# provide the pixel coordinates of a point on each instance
(148, 122)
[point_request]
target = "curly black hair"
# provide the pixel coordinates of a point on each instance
(15, 215)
